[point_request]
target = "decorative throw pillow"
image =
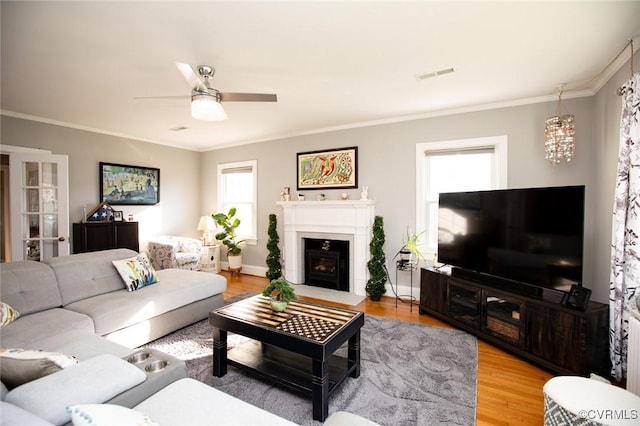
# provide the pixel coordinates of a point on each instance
(19, 366)
(7, 314)
(136, 272)
(107, 414)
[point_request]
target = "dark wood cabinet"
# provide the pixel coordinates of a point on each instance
(540, 329)
(95, 236)
(434, 296)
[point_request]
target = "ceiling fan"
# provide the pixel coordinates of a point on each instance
(205, 100)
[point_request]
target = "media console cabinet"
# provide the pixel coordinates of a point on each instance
(95, 236)
(539, 329)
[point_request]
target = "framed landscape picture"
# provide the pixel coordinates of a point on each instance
(121, 184)
(332, 169)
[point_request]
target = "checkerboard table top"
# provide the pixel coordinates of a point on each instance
(302, 319)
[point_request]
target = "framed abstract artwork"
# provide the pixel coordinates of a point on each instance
(129, 185)
(331, 169)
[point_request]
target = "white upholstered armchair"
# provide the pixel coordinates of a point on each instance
(167, 252)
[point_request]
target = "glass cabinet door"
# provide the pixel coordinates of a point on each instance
(39, 206)
(464, 303)
(504, 316)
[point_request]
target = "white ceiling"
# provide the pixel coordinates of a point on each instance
(332, 64)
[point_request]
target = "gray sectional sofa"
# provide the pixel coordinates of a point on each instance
(79, 306)
(86, 294)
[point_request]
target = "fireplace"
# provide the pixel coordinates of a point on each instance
(345, 220)
(326, 263)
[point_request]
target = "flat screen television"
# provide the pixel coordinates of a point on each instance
(528, 238)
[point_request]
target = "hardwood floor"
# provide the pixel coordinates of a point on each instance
(509, 388)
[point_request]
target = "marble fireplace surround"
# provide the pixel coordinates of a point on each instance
(347, 220)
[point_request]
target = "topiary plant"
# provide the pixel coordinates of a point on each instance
(274, 270)
(378, 274)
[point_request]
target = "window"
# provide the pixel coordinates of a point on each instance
(453, 166)
(237, 187)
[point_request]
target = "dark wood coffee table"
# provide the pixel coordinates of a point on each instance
(295, 348)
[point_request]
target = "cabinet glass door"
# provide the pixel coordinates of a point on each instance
(504, 316)
(464, 303)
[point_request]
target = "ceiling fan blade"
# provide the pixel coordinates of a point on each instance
(162, 97)
(248, 97)
(191, 76)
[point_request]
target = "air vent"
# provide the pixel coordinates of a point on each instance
(178, 128)
(435, 73)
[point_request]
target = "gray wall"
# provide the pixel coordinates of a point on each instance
(386, 156)
(179, 209)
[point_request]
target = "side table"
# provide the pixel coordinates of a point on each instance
(409, 266)
(210, 258)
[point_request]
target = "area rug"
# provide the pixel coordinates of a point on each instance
(411, 374)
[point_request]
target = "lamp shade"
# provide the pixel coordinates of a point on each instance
(559, 136)
(206, 107)
(206, 224)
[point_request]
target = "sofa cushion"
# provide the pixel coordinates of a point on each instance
(29, 330)
(29, 286)
(83, 346)
(3, 391)
(14, 415)
(93, 381)
(136, 272)
(220, 408)
(87, 274)
(19, 366)
(176, 288)
(107, 415)
(183, 259)
(7, 314)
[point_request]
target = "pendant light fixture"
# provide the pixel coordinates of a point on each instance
(559, 135)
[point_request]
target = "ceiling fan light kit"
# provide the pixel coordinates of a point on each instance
(206, 107)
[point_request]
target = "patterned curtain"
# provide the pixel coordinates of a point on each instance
(624, 283)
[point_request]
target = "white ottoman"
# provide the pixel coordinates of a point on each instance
(572, 400)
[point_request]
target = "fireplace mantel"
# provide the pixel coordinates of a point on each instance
(352, 219)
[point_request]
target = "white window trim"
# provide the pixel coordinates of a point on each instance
(249, 239)
(500, 144)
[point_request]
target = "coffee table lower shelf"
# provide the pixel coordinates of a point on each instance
(284, 367)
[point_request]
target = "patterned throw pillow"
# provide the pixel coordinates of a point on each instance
(7, 314)
(136, 272)
(19, 366)
(107, 414)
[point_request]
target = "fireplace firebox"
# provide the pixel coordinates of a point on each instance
(326, 263)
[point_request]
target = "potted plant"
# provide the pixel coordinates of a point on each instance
(284, 294)
(229, 224)
(378, 275)
(411, 251)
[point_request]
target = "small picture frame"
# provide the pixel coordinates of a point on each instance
(117, 216)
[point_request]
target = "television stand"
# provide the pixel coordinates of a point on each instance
(540, 329)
